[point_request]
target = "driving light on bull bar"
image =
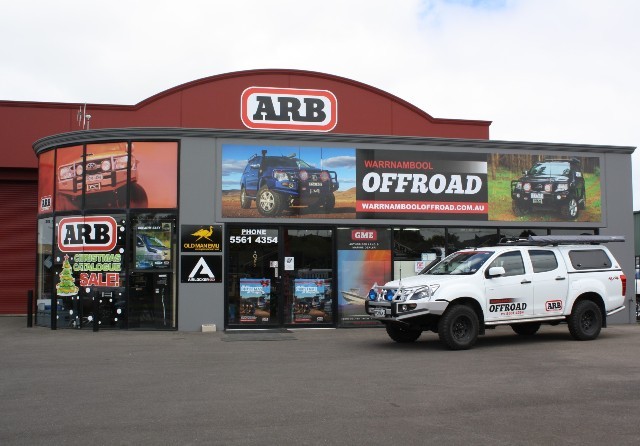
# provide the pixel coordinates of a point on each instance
(372, 294)
(407, 307)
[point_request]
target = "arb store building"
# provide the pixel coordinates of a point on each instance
(271, 199)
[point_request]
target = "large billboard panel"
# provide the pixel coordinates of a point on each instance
(311, 182)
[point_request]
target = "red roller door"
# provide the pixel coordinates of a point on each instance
(18, 232)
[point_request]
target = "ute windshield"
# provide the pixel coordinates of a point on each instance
(550, 168)
(464, 263)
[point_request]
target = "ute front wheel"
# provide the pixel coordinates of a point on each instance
(402, 334)
(269, 203)
(458, 327)
(570, 209)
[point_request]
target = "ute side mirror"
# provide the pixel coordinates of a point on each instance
(496, 271)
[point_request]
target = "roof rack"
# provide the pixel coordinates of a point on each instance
(562, 240)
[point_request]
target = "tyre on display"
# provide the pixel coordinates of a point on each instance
(585, 321)
(402, 334)
(458, 327)
(519, 209)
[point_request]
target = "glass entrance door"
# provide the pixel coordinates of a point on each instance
(253, 276)
(308, 276)
(279, 276)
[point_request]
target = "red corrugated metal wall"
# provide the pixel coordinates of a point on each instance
(18, 229)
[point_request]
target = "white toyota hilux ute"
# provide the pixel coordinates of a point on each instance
(521, 283)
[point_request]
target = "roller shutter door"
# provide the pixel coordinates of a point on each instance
(18, 233)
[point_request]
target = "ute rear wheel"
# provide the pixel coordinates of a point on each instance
(585, 321)
(402, 334)
(245, 201)
(458, 327)
(526, 329)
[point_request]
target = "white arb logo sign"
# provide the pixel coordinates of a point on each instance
(289, 109)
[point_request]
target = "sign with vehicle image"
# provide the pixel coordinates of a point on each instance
(310, 303)
(348, 183)
(255, 300)
(201, 238)
(543, 188)
(153, 245)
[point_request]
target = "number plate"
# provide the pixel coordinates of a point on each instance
(379, 312)
(536, 195)
(315, 184)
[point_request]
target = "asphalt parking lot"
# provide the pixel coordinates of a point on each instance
(316, 387)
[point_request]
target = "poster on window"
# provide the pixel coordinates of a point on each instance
(255, 300)
(310, 302)
(153, 245)
(364, 259)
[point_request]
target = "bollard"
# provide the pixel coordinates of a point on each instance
(30, 308)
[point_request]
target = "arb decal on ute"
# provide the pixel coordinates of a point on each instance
(87, 234)
(289, 109)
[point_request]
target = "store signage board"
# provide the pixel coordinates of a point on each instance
(201, 238)
(267, 108)
(201, 269)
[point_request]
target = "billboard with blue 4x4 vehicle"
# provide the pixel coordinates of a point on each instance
(349, 183)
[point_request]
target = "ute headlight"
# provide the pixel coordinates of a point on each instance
(66, 172)
(562, 187)
(425, 292)
(120, 162)
(280, 175)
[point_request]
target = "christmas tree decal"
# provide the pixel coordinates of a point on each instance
(67, 285)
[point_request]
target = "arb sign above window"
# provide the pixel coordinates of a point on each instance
(268, 108)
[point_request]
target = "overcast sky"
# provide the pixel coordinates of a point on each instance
(564, 71)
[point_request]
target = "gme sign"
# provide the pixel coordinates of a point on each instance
(269, 108)
(87, 234)
(364, 235)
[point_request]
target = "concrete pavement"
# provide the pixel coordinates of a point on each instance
(316, 387)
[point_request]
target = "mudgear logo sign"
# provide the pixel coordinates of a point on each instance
(207, 269)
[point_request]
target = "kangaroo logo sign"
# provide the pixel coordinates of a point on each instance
(289, 109)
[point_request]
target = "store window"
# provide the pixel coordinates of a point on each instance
(45, 272)
(89, 271)
(461, 238)
(152, 287)
(416, 248)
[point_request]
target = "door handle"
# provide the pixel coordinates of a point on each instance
(525, 281)
(560, 278)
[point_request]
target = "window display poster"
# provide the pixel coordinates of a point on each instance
(68, 184)
(153, 245)
(154, 174)
(364, 259)
(45, 182)
(310, 303)
(255, 300)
